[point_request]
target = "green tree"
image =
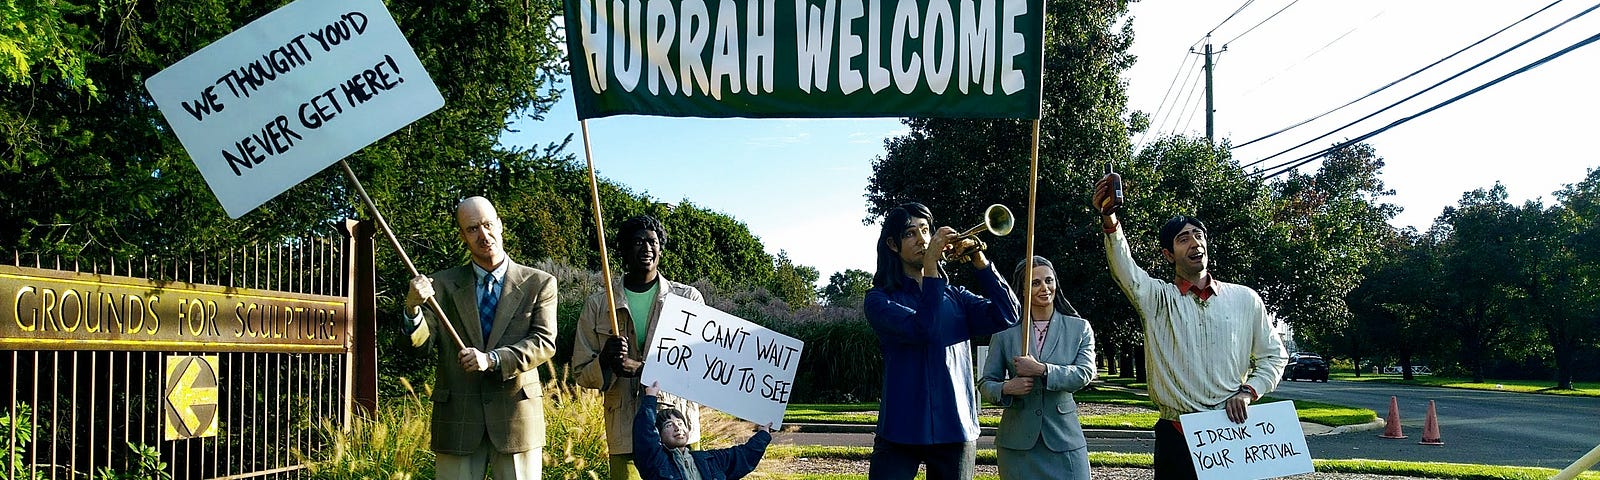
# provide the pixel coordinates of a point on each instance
(1475, 254)
(39, 45)
(847, 289)
(794, 283)
(1574, 300)
(958, 167)
(1393, 307)
(1321, 231)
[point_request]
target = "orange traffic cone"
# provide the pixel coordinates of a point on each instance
(1430, 428)
(1392, 423)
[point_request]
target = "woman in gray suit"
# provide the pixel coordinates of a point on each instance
(1039, 434)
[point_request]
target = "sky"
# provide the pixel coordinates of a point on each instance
(799, 184)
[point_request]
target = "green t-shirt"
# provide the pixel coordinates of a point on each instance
(639, 308)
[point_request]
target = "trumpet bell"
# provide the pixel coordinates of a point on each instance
(998, 220)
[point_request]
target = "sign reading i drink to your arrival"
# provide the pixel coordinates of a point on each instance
(806, 58)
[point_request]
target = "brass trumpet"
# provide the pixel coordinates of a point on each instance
(997, 220)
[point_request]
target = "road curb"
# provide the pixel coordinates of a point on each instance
(1375, 424)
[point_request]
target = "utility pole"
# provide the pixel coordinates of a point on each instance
(1211, 126)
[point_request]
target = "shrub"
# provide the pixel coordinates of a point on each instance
(394, 443)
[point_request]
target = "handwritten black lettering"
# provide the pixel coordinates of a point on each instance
(205, 105)
(275, 138)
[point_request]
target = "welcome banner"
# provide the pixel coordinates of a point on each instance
(806, 58)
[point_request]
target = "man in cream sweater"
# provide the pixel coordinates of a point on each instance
(1209, 344)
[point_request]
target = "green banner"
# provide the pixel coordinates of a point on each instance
(806, 58)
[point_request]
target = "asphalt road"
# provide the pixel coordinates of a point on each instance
(1494, 428)
(1490, 428)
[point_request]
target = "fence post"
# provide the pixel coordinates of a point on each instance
(362, 272)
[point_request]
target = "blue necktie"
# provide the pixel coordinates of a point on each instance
(486, 304)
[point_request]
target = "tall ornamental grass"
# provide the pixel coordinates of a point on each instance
(393, 444)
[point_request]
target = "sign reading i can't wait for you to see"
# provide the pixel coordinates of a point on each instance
(806, 58)
(278, 100)
(1268, 444)
(722, 361)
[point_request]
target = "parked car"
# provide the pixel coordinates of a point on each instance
(1308, 366)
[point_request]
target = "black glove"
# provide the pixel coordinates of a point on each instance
(612, 354)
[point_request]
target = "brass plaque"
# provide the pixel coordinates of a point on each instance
(190, 396)
(59, 310)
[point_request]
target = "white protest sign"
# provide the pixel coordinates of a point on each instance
(274, 102)
(722, 361)
(1268, 444)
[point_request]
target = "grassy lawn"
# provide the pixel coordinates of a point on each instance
(866, 413)
(1132, 460)
(1581, 389)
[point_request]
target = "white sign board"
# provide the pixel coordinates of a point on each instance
(722, 361)
(272, 103)
(1268, 444)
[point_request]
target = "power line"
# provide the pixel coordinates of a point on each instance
(1163, 103)
(1185, 89)
(1313, 54)
(1230, 16)
(1404, 78)
(1294, 164)
(1184, 105)
(1270, 17)
(1430, 88)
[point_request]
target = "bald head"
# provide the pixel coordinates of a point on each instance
(480, 231)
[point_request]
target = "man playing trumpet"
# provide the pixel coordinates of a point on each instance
(929, 411)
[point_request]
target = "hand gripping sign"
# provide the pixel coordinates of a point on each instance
(722, 361)
(278, 100)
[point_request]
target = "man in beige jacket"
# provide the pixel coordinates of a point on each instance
(611, 362)
(488, 409)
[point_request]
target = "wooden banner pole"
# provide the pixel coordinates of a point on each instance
(600, 229)
(1572, 471)
(1027, 287)
(444, 321)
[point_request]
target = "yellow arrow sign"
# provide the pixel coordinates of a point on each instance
(191, 404)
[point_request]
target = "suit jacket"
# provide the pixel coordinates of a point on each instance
(507, 402)
(1048, 411)
(622, 395)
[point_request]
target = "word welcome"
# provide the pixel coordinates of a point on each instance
(722, 361)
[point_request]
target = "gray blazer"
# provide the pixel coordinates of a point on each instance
(1047, 412)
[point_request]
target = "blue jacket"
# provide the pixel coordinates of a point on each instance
(924, 331)
(654, 462)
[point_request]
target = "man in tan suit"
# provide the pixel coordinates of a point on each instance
(487, 401)
(612, 363)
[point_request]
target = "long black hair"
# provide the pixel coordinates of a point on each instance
(895, 222)
(1060, 302)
